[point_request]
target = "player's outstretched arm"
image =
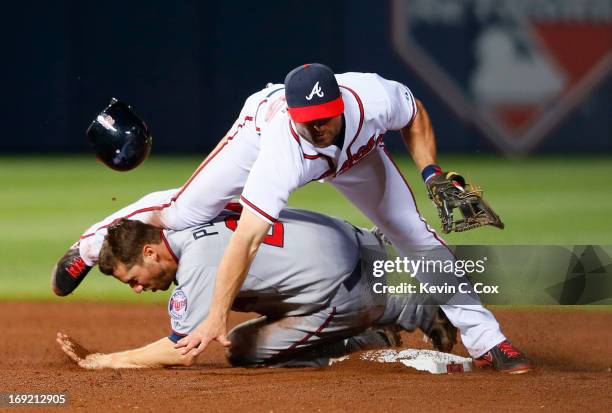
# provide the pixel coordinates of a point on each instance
(419, 138)
(232, 272)
(160, 353)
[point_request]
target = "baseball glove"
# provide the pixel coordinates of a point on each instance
(448, 191)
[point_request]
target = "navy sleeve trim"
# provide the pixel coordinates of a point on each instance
(174, 337)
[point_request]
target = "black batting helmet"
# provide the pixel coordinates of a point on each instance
(121, 140)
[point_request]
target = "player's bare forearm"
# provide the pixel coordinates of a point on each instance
(419, 139)
(235, 263)
(160, 353)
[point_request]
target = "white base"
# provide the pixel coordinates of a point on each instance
(434, 362)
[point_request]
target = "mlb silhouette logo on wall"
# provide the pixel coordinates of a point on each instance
(515, 68)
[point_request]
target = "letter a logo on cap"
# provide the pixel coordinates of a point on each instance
(316, 90)
(300, 93)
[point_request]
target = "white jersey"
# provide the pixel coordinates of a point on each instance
(296, 271)
(372, 106)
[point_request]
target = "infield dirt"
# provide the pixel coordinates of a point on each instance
(571, 349)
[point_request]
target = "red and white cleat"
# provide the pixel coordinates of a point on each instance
(505, 358)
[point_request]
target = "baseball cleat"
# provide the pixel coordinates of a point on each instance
(69, 271)
(505, 358)
(442, 333)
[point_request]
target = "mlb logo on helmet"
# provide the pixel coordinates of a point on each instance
(312, 93)
(106, 121)
(177, 306)
(516, 69)
(121, 140)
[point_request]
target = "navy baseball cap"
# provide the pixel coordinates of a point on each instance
(312, 93)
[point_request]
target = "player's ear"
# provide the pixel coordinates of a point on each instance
(149, 253)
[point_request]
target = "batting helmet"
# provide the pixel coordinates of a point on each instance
(121, 140)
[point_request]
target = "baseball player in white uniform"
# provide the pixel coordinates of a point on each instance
(312, 309)
(316, 127)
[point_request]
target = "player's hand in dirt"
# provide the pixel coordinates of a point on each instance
(209, 330)
(79, 354)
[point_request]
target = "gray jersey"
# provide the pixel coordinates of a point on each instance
(298, 268)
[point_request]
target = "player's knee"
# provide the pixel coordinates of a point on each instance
(246, 351)
(237, 359)
(244, 338)
(171, 217)
(241, 353)
(242, 356)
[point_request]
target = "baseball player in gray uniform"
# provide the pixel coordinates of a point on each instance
(312, 308)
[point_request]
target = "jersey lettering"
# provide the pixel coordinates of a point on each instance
(361, 153)
(200, 231)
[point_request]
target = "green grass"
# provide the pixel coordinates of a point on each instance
(47, 202)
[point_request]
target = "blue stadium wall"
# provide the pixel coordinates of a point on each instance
(188, 66)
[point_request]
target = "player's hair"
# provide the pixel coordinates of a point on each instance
(124, 243)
